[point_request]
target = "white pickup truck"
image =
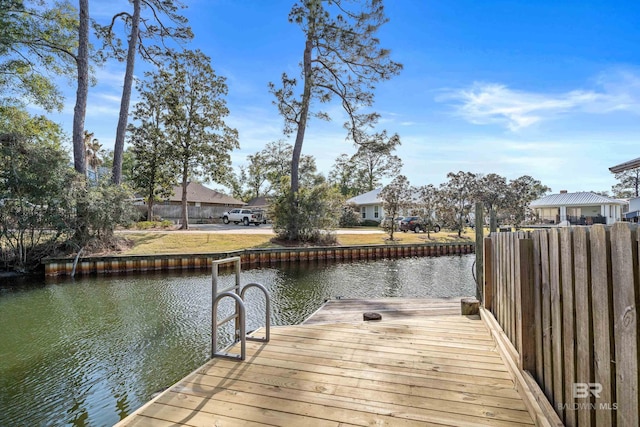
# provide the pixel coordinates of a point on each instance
(245, 216)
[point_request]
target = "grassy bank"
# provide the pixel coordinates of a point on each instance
(149, 243)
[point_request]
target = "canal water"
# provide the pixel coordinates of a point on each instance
(88, 352)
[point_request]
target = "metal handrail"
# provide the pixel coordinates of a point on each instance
(241, 333)
(239, 315)
(267, 310)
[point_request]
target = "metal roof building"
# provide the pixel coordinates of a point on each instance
(574, 199)
(583, 208)
(369, 198)
(631, 164)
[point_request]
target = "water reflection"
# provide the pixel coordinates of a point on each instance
(88, 352)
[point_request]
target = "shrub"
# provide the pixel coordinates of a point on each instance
(146, 225)
(309, 217)
(44, 204)
(106, 207)
(34, 205)
(349, 217)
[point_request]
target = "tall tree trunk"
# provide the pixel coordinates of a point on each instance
(370, 183)
(79, 111)
(297, 148)
(185, 209)
(150, 208)
(116, 174)
(304, 113)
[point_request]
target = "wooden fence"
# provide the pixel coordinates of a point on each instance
(196, 214)
(566, 299)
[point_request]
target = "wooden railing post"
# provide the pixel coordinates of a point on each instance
(525, 306)
(487, 294)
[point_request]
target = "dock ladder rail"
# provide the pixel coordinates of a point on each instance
(237, 293)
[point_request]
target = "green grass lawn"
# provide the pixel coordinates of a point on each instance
(188, 243)
(149, 243)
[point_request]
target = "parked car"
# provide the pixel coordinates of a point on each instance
(417, 224)
(386, 221)
(245, 216)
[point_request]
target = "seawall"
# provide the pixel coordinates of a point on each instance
(250, 258)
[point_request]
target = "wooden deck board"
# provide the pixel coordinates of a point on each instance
(351, 310)
(401, 371)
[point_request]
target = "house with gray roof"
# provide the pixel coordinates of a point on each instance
(583, 208)
(203, 204)
(369, 205)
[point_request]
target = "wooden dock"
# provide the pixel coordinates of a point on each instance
(436, 369)
(351, 310)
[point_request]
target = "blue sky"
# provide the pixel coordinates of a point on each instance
(545, 88)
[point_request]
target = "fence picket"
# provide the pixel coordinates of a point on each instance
(502, 269)
(519, 282)
(555, 288)
(601, 301)
(568, 322)
(584, 371)
(547, 385)
(537, 301)
(525, 306)
(624, 259)
(489, 277)
(510, 289)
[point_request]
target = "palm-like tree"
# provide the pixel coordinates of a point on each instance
(93, 150)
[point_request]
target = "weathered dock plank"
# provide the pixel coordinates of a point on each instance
(351, 310)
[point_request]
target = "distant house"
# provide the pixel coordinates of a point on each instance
(633, 213)
(261, 202)
(203, 204)
(95, 175)
(584, 208)
(369, 205)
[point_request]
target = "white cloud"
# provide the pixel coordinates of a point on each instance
(108, 76)
(494, 103)
(110, 98)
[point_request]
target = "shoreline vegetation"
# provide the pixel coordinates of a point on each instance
(172, 241)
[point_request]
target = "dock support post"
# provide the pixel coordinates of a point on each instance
(493, 221)
(469, 306)
(478, 249)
